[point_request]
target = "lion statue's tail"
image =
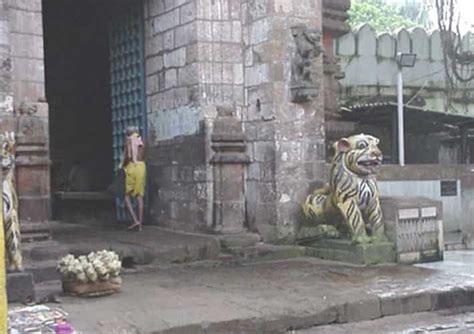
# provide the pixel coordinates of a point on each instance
(314, 205)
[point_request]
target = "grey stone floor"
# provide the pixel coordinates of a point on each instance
(261, 297)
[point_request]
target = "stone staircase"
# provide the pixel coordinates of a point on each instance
(40, 255)
(41, 258)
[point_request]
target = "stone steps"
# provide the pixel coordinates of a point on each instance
(34, 231)
(43, 271)
(43, 250)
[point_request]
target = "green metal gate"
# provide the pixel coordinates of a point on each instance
(127, 77)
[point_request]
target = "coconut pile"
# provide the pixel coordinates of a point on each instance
(97, 266)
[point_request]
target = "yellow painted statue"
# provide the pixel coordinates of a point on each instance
(351, 200)
(10, 205)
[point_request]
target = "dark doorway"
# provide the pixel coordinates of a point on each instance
(78, 93)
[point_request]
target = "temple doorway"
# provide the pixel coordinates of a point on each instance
(95, 89)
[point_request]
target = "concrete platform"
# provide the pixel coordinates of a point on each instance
(346, 251)
(149, 245)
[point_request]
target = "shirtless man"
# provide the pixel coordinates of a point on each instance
(135, 175)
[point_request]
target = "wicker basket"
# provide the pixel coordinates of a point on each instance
(96, 289)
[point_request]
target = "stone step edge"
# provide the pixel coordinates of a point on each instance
(363, 310)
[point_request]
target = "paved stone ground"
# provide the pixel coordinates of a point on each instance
(458, 320)
(271, 296)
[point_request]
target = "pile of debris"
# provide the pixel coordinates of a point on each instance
(38, 319)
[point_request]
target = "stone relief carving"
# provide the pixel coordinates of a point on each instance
(304, 86)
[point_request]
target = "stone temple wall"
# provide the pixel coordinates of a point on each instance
(194, 62)
(176, 149)
(204, 53)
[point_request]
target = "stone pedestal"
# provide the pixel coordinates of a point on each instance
(346, 251)
(229, 163)
(415, 226)
(20, 287)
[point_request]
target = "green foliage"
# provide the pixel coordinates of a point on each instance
(381, 16)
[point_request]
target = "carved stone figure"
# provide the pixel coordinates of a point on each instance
(304, 85)
(351, 200)
(10, 205)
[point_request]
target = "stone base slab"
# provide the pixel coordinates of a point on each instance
(20, 287)
(346, 251)
(239, 240)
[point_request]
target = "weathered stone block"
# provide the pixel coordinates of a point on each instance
(33, 181)
(227, 73)
(27, 46)
(257, 75)
(176, 58)
(152, 86)
(264, 151)
(154, 64)
(35, 208)
(20, 287)
(346, 251)
(235, 9)
(154, 45)
(239, 240)
(166, 21)
(406, 305)
(452, 298)
(22, 21)
(182, 96)
(171, 78)
(185, 34)
(28, 69)
(188, 12)
(28, 5)
(367, 309)
(231, 53)
(238, 71)
(168, 40)
(170, 4)
(236, 32)
(204, 31)
(156, 7)
(228, 216)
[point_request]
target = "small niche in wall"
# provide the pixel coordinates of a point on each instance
(449, 188)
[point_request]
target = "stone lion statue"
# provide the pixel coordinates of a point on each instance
(351, 200)
(10, 204)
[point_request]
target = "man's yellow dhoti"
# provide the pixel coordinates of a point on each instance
(135, 177)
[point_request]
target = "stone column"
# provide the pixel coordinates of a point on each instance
(229, 163)
(334, 25)
(30, 116)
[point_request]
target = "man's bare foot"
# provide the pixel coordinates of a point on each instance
(131, 227)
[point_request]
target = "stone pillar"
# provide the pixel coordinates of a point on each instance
(30, 115)
(334, 25)
(229, 163)
(284, 116)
